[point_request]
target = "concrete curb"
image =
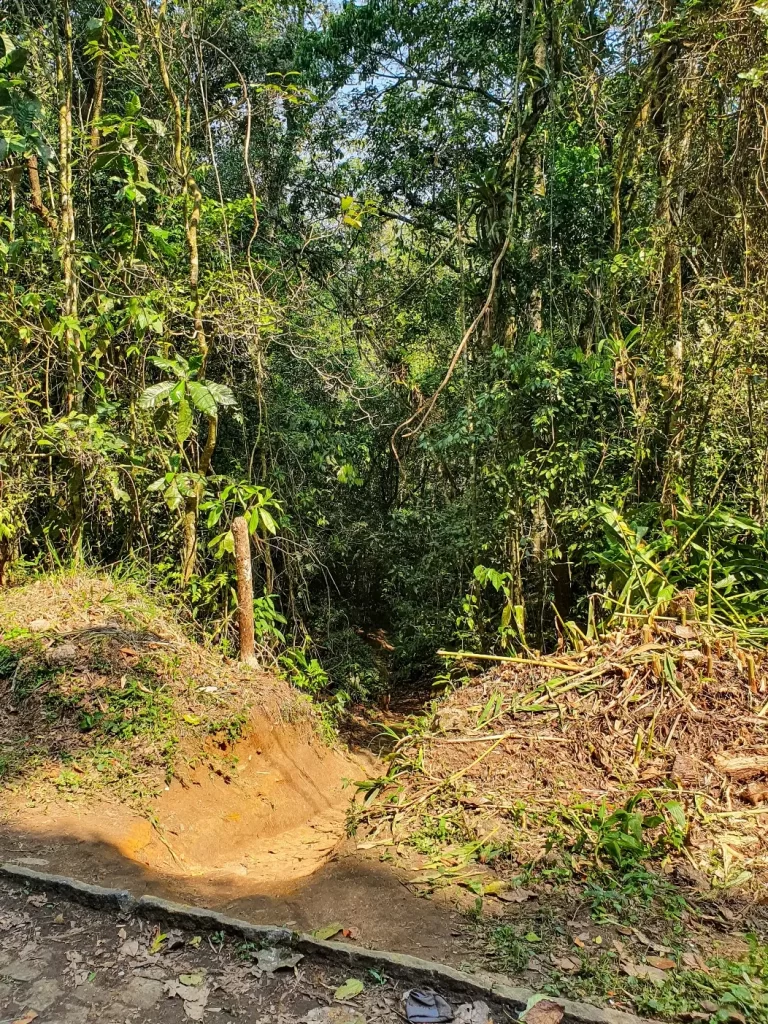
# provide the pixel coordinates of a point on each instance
(408, 968)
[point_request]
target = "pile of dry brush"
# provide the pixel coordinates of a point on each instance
(673, 711)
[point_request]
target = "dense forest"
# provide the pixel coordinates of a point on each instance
(462, 303)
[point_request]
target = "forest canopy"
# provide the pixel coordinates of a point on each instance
(462, 303)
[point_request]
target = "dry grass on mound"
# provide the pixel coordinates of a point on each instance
(668, 724)
(101, 687)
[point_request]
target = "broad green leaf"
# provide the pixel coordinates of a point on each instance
(352, 987)
(222, 394)
(173, 498)
(676, 812)
(202, 399)
(155, 394)
(154, 124)
(268, 521)
(179, 367)
(183, 421)
(16, 60)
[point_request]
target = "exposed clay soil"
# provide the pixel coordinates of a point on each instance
(256, 826)
(270, 846)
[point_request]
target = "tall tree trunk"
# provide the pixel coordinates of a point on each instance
(192, 191)
(66, 220)
(192, 506)
(673, 135)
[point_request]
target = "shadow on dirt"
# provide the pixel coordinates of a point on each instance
(364, 895)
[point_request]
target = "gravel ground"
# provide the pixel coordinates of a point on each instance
(61, 962)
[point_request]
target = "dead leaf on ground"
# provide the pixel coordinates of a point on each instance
(195, 979)
(27, 1018)
(545, 1011)
(642, 937)
(333, 1015)
(276, 959)
(662, 962)
(129, 948)
(477, 1012)
(646, 972)
(195, 997)
(565, 963)
(509, 894)
(686, 632)
(38, 899)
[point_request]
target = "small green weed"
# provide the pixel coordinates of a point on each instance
(437, 832)
(627, 896)
(9, 659)
(233, 728)
(134, 710)
(596, 976)
(737, 988)
(512, 950)
(626, 836)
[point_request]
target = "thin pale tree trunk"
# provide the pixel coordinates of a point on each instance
(244, 590)
(66, 220)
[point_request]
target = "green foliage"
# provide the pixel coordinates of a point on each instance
(9, 659)
(134, 710)
(304, 670)
(631, 893)
(720, 556)
(627, 836)
(734, 986)
(262, 308)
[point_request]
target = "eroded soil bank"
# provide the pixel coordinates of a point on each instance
(267, 843)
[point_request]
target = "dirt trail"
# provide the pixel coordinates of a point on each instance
(268, 844)
(65, 963)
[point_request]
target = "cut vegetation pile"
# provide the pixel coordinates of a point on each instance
(101, 687)
(651, 742)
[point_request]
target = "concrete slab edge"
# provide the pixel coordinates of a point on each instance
(409, 968)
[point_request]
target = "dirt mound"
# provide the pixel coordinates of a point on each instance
(653, 741)
(131, 736)
(135, 757)
(103, 687)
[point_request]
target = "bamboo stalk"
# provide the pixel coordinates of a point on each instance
(499, 736)
(566, 666)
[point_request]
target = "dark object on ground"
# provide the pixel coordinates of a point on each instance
(425, 1006)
